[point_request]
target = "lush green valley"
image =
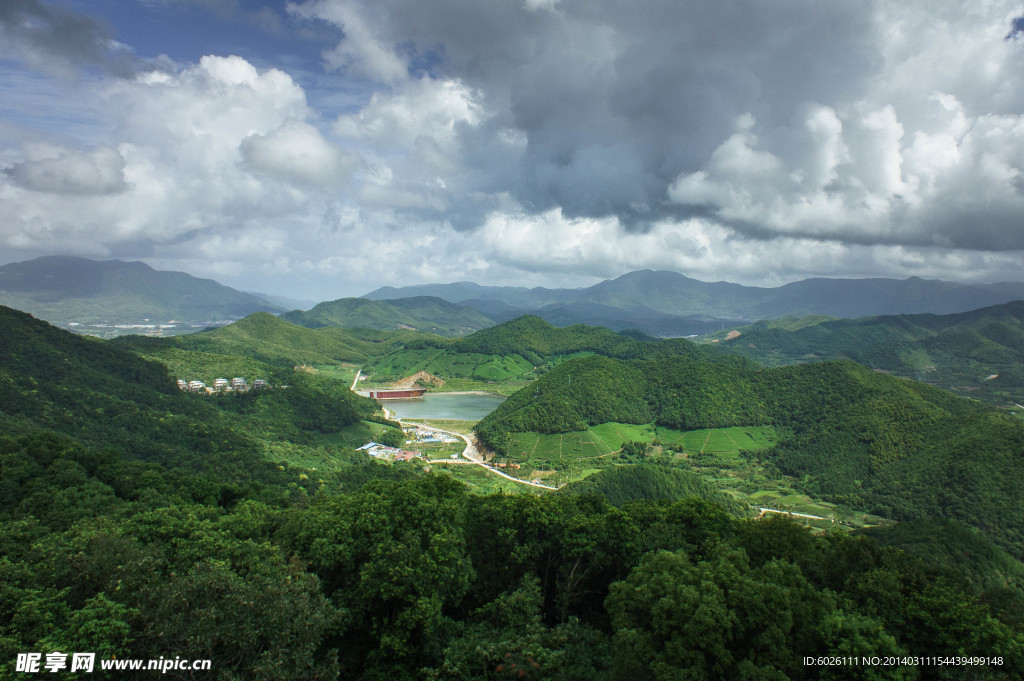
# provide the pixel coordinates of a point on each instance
(141, 521)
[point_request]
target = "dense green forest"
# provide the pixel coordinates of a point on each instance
(166, 532)
(978, 353)
(898, 448)
(103, 395)
(419, 579)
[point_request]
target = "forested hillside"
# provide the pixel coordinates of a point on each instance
(977, 354)
(270, 339)
(103, 395)
(522, 349)
(421, 313)
(900, 448)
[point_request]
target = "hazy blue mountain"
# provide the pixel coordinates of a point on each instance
(422, 313)
(285, 302)
(649, 300)
(63, 289)
(465, 291)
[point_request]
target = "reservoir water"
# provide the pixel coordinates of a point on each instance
(462, 407)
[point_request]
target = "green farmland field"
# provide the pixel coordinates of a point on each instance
(598, 444)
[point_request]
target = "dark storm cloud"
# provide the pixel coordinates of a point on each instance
(870, 122)
(617, 99)
(51, 37)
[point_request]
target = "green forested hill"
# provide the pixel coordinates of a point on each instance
(421, 313)
(273, 340)
(623, 484)
(978, 353)
(896, 447)
(520, 350)
(533, 338)
(103, 395)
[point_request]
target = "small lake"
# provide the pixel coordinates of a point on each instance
(445, 406)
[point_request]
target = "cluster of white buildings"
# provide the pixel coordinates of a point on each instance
(222, 385)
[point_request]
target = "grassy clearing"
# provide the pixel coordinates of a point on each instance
(346, 373)
(602, 441)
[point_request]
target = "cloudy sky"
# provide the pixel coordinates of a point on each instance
(322, 148)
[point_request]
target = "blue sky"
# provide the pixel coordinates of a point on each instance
(323, 148)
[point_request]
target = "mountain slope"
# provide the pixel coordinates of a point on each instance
(422, 313)
(518, 350)
(103, 395)
(63, 289)
(979, 353)
(271, 339)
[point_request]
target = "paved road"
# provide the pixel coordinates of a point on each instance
(795, 515)
(474, 456)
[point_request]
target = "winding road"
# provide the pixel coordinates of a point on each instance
(474, 456)
(795, 515)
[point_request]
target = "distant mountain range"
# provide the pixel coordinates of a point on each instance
(64, 289)
(669, 303)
